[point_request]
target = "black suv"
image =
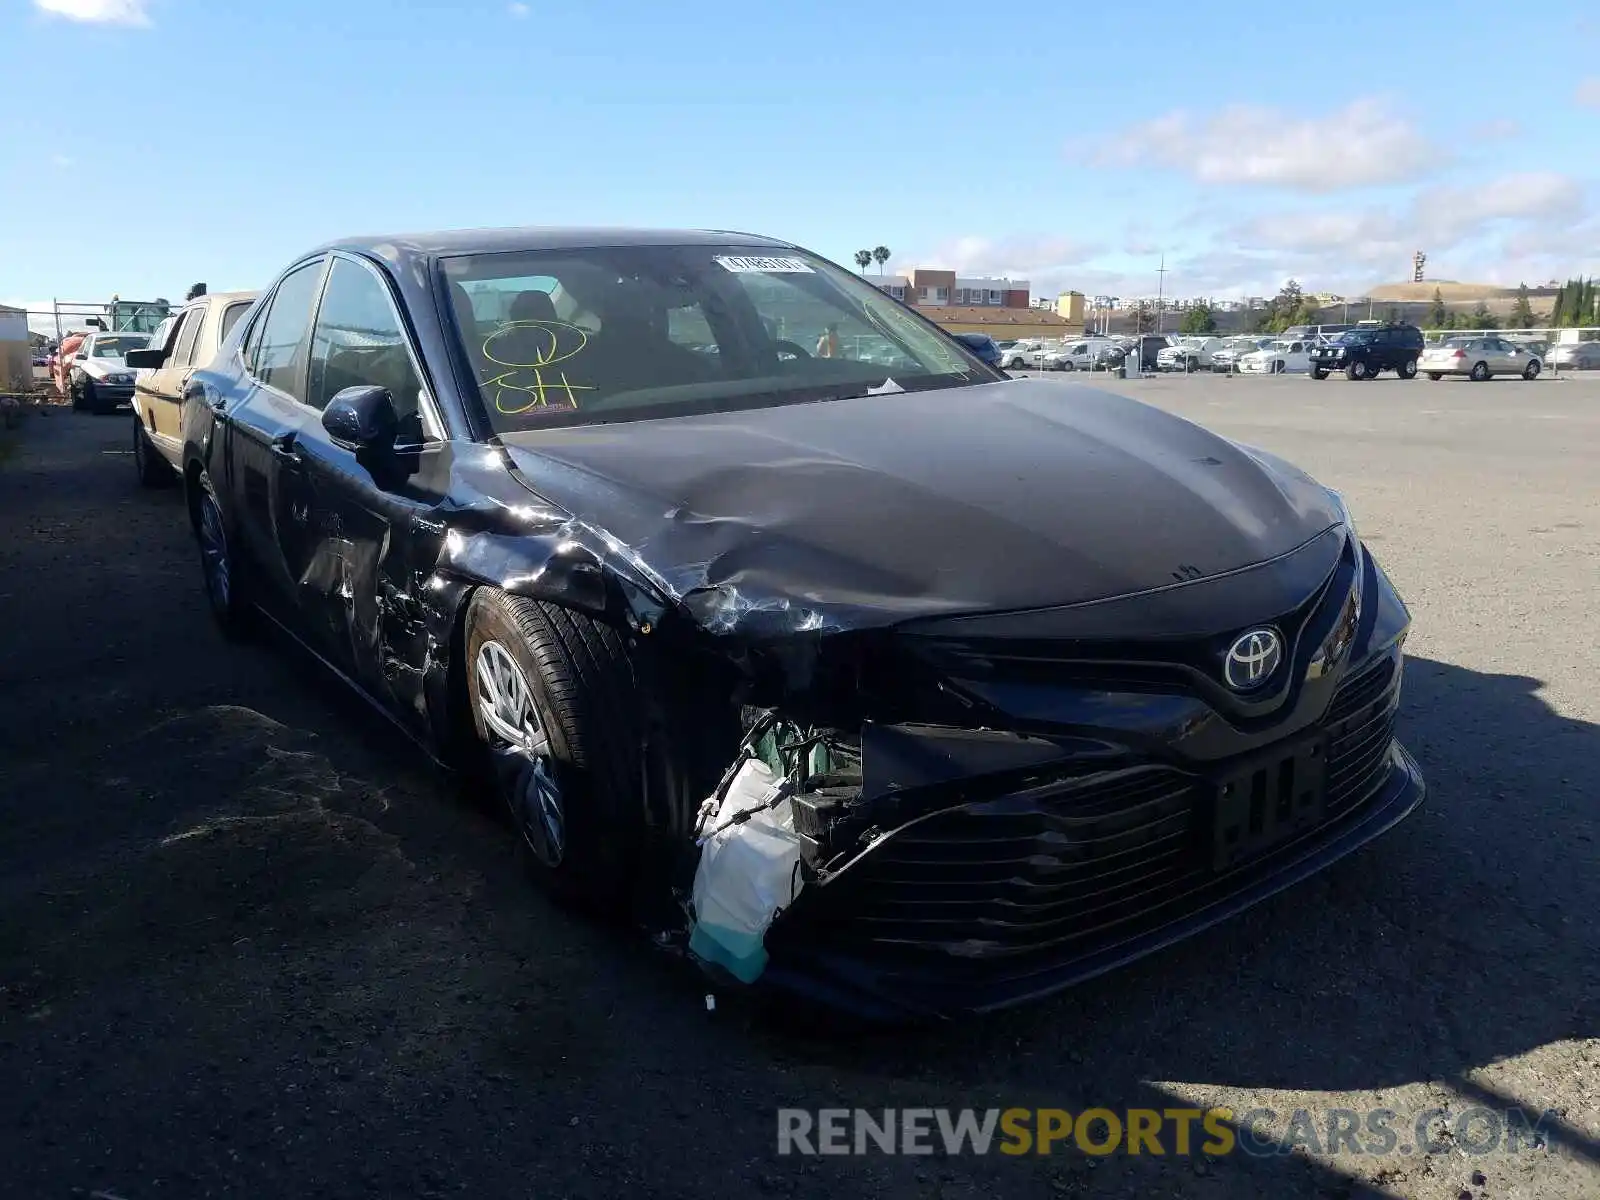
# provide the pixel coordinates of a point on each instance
(1362, 352)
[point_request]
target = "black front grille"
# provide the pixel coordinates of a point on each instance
(1360, 723)
(1070, 867)
(1051, 863)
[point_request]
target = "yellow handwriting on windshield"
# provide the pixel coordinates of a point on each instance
(527, 349)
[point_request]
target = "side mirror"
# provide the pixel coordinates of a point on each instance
(145, 360)
(80, 356)
(362, 418)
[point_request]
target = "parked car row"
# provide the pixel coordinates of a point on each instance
(716, 618)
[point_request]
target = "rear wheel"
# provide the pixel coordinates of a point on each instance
(1408, 369)
(1531, 371)
(150, 467)
(1435, 376)
(227, 584)
(1480, 372)
(1356, 370)
(558, 714)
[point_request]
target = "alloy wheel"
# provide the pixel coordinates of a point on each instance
(519, 749)
(214, 554)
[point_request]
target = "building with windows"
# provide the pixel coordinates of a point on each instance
(928, 287)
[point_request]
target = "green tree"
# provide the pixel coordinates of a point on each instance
(1482, 318)
(1438, 314)
(1521, 312)
(1558, 314)
(1393, 316)
(863, 259)
(880, 255)
(1144, 318)
(1198, 318)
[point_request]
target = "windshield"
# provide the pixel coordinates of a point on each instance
(1354, 338)
(118, 345)
(616, 333)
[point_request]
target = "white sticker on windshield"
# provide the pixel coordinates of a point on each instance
(776, 266)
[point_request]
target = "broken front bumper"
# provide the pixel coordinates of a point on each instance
(985, 903)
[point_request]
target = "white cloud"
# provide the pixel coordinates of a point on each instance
(1359, 145)
(1588, 92)
(99, 12)
(519, 10)
(63, 161)
(1497, 128)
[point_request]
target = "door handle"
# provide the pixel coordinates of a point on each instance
(284, 449)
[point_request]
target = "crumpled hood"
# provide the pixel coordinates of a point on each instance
(866, 512)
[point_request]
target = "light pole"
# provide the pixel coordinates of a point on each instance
(1161, 293)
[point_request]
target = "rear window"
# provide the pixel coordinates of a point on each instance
(591, 335)
(230, 318)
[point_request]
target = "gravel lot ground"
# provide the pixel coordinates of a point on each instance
(250, 945)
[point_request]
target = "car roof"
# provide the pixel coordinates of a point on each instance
(224, 297)
(494, 241)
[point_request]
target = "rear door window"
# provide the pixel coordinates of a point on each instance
(280, 355)
(188, 335)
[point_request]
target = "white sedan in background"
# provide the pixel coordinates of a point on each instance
(1286, 356)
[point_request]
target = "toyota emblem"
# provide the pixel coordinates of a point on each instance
(1252, 659)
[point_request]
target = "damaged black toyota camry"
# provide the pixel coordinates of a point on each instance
(774, 616)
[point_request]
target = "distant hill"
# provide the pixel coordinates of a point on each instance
(1449, 289)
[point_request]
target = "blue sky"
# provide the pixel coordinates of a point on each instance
(147, 144)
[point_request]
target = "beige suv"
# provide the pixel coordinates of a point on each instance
(180, 346)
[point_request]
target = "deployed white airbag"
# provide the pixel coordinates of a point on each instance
(749, 870)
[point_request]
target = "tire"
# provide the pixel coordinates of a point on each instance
(227, 582)
(1356, 370)
(1279, 366)
(576, 802)
(1435, 376)
(1531, 371)
(1068, 366)
(89, 401)
(1480, 372)
(153, 470)
(1318, 373)
(1407, 369)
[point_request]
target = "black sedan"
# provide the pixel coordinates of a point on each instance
(887, 678)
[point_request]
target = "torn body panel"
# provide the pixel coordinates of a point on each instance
(961, 867)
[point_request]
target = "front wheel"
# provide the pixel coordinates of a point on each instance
(90, 400)
(1435, 375)
(1279, 367)
(1408, 369)
(1318, 373)
(1531, 371)
(558, 714)
(1067, 366)
(1480, 372)
(1356, 370)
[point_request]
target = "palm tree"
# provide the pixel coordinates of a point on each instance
(880, 256)
(863, 258)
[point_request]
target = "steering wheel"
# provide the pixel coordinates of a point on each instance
(796, 351)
